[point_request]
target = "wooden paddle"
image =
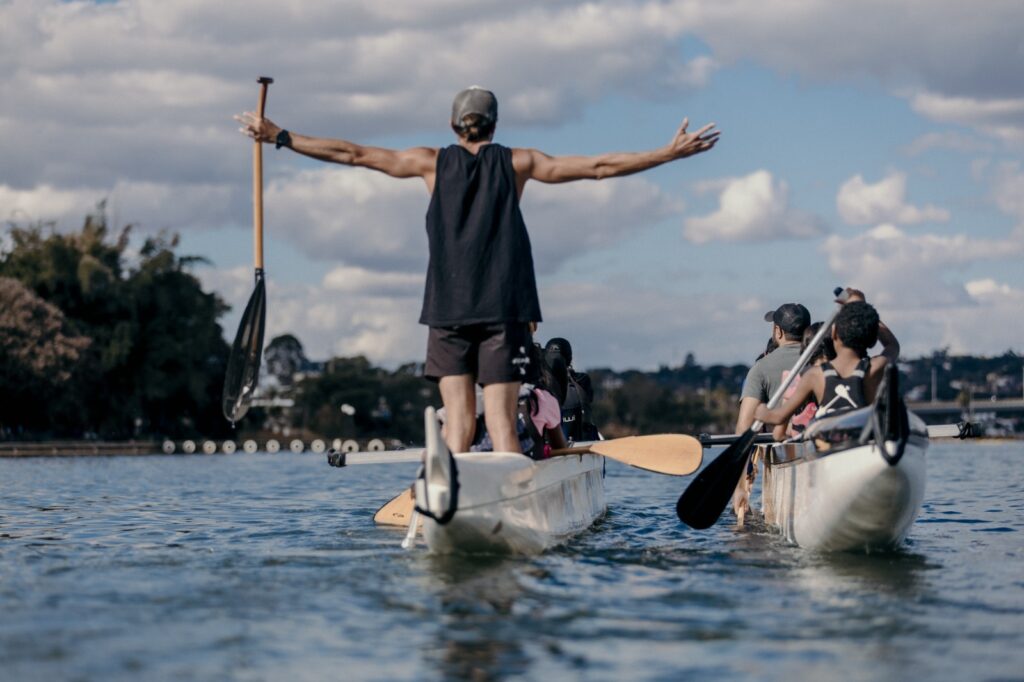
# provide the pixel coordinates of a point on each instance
(671, 454)
(706, 497)
(243, 368)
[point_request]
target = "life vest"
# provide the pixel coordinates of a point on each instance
(842, 393)
(576, 414)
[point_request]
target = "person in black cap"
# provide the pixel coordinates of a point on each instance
(788, 324)
(481, 292)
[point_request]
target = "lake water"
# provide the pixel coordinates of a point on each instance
(268, 567)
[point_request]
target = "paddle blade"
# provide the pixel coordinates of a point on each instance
(706, 497)
(244, 362)
(397, 511)
(671, 453)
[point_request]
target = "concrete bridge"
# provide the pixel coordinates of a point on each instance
(952, 410)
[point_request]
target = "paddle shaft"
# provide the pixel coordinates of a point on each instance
(934, 431)
(257, 181)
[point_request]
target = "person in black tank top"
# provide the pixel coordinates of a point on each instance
(481, 292)
(842, 393)
(851, 378)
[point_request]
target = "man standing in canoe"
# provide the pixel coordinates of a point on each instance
(481, 293)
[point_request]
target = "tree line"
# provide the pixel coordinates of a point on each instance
(99, 341)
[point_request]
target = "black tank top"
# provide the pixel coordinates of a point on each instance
(481, 264)
(842, 393)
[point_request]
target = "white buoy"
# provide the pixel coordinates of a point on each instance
(336, 444)
(168, 447)
(228, 447)
(350, 446)
(296, 446)
(209, 447)
(250, 446)
(188, 447)
(375, 445)
(273, 446)
(318, 446)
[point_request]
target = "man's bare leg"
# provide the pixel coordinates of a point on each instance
(459, 397)
(500, 407)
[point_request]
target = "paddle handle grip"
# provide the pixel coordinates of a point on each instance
(257, 180)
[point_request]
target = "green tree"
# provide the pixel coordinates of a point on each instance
(39, 355)
(156, 358)
(356, 382)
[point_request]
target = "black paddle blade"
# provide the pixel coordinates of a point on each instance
(706, 497)
(244, 362)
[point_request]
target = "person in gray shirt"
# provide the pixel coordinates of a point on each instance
(789, 321)
(788, 324)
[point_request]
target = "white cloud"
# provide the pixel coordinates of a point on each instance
(903, 271)
(145, 88)
(860, 203)
(351, 312)
(946, 56)
(1002, 118)
(988, 288)
(752, 208)
(368, 218)
(149, 205)
(1008, 192)
(986, 322)
(354, 279)
(949, 140)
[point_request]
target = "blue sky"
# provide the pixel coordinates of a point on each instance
(885, 155)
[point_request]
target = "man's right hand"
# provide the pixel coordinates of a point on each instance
(259, 129)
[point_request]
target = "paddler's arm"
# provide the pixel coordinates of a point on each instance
(890, 345)
(417, 162)
(531, 164)
(803, 391)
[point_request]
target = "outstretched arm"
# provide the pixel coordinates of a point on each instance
(409, 163)
(531, 164)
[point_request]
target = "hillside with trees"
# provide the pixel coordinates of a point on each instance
(101, 342)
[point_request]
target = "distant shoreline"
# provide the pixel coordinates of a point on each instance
(87, 448)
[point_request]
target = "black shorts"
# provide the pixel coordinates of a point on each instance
(493, 353)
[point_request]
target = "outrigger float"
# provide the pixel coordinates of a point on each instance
(508, 503)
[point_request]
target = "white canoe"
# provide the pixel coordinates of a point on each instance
(841, 488)
(505, 502)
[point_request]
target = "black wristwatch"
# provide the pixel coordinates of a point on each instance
(283, 139)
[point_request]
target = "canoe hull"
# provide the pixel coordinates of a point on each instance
(509, 503)
(853, 500)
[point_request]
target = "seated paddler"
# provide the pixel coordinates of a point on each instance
(851, 379)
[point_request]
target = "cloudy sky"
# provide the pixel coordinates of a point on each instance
(873, 144)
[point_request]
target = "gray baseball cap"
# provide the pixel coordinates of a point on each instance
(474, 100)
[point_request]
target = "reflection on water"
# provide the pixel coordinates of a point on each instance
(265, 568)
(475, 593)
